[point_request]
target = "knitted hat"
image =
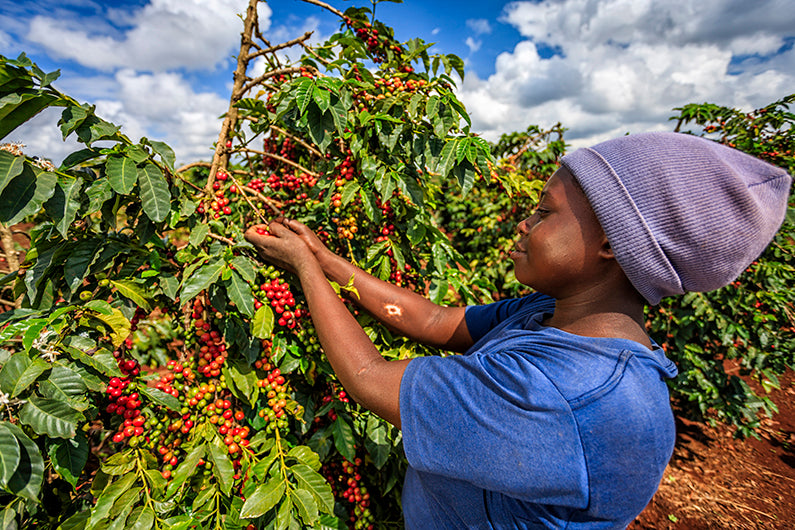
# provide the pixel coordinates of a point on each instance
(681, 213)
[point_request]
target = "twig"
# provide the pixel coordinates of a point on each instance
(191, 165)
(272, 49)
(221, 238)
(284, 160)
(254, 82)
(272, 204)
(314, 54)
(325, 6)
(6, 302)
(296, 139)
(245, 197)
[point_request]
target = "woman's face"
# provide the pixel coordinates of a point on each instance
(558, 251)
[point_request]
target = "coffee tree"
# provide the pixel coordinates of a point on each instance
(154, 373)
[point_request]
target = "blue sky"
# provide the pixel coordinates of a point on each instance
(162, 68)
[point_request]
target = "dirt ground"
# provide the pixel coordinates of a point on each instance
(717, 482)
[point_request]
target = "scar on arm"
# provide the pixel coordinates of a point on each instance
(393, 310)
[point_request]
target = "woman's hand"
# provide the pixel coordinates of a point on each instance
(280, 245)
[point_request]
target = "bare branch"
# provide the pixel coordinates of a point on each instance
(245, 197)
(272, 49)
(325, 6)
(298, 140)
(221, 238)
(254, 82)
(191, 165)
(284, 160)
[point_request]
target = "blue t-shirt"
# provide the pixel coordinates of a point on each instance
(534, 427)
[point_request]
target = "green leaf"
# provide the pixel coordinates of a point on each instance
(306, 456)
(377, 442)
(265, 497)
(64, 384)
(122, 174)
(10, 167)
(141, 518)
(69, 457)
(71, 118)
(447, 158)
(19, 372)
(29, 474)
(245, 267)
(76, 522)
(166, 153)
(262, 323)
(155, 195)
(222, 467)
(65, 202)
(313, 482)
(9, 454)
(78, 157)
(102, 361)
(201, 279)
(198, 234)
(169, 284)
(119, 463)
(108, 497)
(119, 325)
(18, 108)
(307, 507)
(79, 260)
(240, 293)
(161, 398)
(53, 418)
(25, 194)
(133, 291)
(343, 438)
(187, 468)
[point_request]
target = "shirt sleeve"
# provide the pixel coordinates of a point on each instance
(495, 421)
(481, 319)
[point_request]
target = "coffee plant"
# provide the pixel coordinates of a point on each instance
(155, 374)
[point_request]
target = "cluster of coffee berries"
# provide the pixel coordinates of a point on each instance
(346, 228)
(345, 481)
(345, 171)
(285, 148)
(281, 299)
(291, 181)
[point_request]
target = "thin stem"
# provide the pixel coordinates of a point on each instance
(254, 82)
(284, 160)
(298, 140)
(325, 6)
(272, 49)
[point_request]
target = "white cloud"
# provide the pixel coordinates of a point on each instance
(435, 31)
(622, 65)
(5, 41)
(163, 35)
(479, 25)
(472, 44)
(159, 106)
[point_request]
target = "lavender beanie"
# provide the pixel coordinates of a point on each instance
(681, 213)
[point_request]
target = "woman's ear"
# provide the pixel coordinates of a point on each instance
(606, 251)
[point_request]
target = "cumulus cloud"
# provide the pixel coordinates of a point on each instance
(160, 106)
(472, 44)
(479, 25)
(624, 64)
(163, 35)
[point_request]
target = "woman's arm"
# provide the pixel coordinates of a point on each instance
(370, 379)
(400, 309)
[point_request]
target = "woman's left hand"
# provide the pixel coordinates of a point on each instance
(278, 244)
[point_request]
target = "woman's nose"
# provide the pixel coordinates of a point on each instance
(522, 226)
